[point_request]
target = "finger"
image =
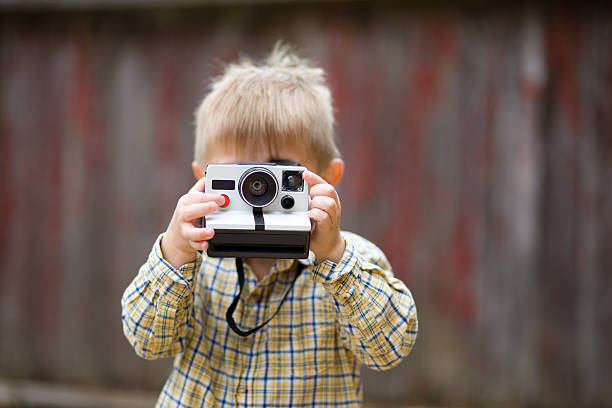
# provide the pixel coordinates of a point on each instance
(313, 179)
(199, 197)
(198, 186)
(199, 245)
(197, 210)
(326, 204)
(324, 190)
(318, 215)
(191, 233)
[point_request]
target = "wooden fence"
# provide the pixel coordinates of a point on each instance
(478, 145)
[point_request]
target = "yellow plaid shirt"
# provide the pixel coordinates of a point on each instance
(336, 317)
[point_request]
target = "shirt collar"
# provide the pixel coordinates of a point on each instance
(310, 260)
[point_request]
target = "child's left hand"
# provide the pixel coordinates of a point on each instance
(324, 209)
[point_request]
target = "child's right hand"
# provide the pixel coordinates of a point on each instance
(184, 235)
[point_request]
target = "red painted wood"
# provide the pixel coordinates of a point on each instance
(478, 156)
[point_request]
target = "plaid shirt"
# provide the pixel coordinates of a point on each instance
(336, 317)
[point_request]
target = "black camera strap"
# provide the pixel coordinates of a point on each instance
(229, 316)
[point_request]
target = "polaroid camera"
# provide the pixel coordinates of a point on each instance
(264, 214)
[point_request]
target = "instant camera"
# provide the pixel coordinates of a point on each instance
(264, 214)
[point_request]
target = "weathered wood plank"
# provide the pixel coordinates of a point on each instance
(478, 149)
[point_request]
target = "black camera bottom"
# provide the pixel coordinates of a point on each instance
(259, 244)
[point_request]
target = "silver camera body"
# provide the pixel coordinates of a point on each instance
(264, 214)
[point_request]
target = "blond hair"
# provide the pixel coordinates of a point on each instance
(281, 103)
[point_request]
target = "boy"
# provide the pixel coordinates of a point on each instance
(343, 307)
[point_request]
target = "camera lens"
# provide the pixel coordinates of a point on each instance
(258, 187)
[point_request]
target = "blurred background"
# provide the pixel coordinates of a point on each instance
(478, 146)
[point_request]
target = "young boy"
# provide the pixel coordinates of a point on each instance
(343, 306)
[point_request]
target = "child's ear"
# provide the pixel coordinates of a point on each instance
(197, 171)
(333, 173)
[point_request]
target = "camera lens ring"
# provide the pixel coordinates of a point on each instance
(261, 177)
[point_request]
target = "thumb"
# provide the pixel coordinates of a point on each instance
(199, 186)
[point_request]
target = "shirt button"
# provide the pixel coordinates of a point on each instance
(247, 341)
(242, 388)
(348, 294)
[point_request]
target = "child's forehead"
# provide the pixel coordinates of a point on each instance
(234, 154)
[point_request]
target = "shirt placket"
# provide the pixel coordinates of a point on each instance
(256, 312)
(242, 385)
(250, 316)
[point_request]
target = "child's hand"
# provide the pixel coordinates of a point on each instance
(325, 241)
(184, 235)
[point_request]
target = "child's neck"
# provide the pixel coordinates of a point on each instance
(260, 266)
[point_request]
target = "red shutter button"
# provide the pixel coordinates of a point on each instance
(226, 202)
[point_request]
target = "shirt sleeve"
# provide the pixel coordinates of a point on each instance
(376, 311)
(156, 306)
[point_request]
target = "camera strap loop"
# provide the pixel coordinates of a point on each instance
(229, 316)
